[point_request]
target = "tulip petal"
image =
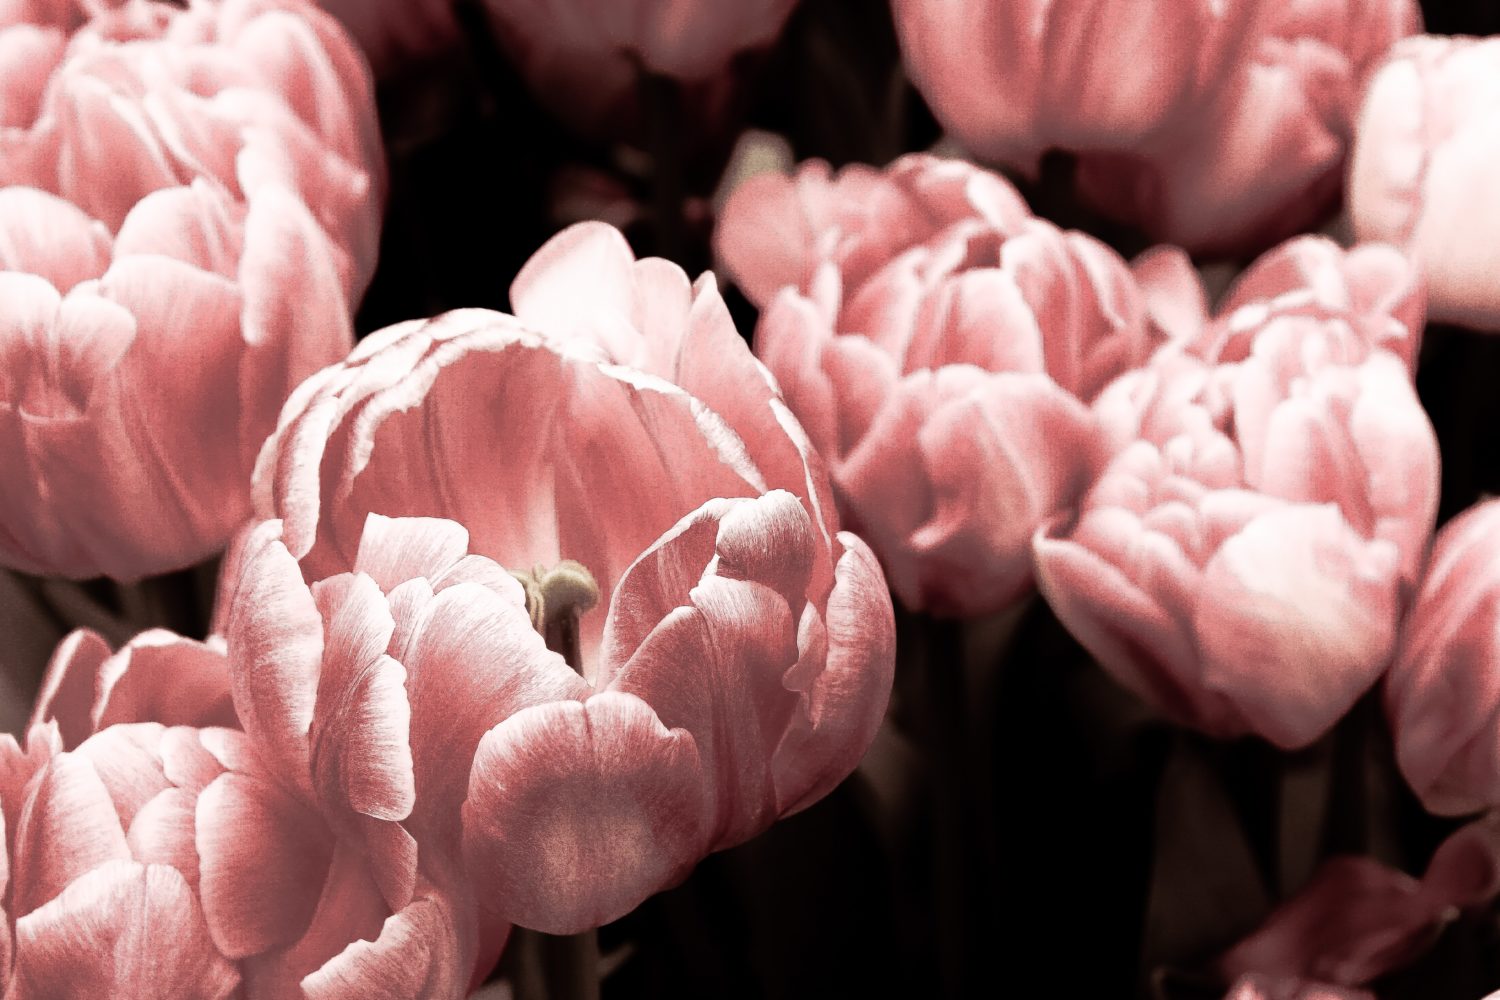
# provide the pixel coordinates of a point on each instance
(263, 862)
(577, 811)
(124, 930)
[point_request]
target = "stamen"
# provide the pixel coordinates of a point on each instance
(555, 599)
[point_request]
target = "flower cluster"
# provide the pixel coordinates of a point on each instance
(513, 618)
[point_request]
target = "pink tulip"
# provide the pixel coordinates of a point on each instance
(1242, 561)
(155, 677)
(1373, 293)
(1220, 126)
(939, 344)
(1423, 162)
(740, 656)
(582, 57)
(1357, 920)
(212, 172)
(1441, 695)
(153, 862)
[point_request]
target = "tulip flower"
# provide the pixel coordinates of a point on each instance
(155, 677)
(696, 649)
(1441, 695)
(1357, 920)
(940, 345)
(1373, 292)
(191, 212)
(1424, 150)
(1219, 126)
(582, 57)
(153, 861)
(1242, 560)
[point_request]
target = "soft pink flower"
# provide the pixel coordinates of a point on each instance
(583, 57)
(939, 344)
(192, 209)
(1443, 694)
(1423, 166)
(1243, 559)
(740, 657)
(1216, 124)
(1357, 920)
(157, 676)
(154, 861)
(1372, 293)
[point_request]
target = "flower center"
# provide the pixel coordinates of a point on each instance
(555, 599)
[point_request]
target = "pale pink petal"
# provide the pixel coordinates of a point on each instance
(579, 811)
(68, 827)
(123, 930)
(263, 860)
(843, 704)
(361, 751)
(394, 550)
(275, 640)
(69, 688)
(418, 954)
(1297, 620)
(45, 235)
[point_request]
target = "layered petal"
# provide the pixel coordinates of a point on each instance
(189, 212)
(1423, 138)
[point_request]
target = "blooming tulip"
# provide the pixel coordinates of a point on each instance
(1242, 560)
(1423, 163)
(155, 861)
(740, 656)
(1372, 293)
(155, 677)
(1220, 126)
(939, 344)
(1441, 695)
(153, 325)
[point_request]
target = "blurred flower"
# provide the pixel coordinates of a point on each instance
(939, 344)
(1253, 986)
(1424, 157)
(1441, 695)
(396, 33)
(1243, 559)
(156, 861)
(192, 209)
(1220, 126)
(583, 57)
(1357, 920)
(740, 657)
